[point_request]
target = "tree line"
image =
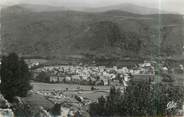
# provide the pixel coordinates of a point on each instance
(139, 99)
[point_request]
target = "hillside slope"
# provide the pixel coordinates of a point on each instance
(112, 33)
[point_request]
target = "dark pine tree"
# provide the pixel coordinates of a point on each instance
(15, 77)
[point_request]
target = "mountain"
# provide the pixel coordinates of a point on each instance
(112, 33)
(132, 8)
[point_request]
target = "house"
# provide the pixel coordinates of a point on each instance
(165, 70)
(61, 78)
(76, 79)
(105, 82)
(67, 79)
(53, 79)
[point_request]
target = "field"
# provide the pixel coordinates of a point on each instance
(61, 86)
(73, 89)
(36, 100)
(41, 61)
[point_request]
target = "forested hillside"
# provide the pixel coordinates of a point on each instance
(112, 33)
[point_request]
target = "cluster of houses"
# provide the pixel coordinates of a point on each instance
(97, 75)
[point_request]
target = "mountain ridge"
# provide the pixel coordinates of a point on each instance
(128, 7)
(113, 33)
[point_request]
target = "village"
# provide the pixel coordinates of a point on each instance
(96, 75)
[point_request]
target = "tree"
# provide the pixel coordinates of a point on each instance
(15, 77)
(43, 77)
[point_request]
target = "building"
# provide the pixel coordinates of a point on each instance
(53, 79)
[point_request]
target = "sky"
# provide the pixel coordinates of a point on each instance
(166, 5)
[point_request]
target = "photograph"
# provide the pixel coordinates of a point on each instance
(91, 58)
